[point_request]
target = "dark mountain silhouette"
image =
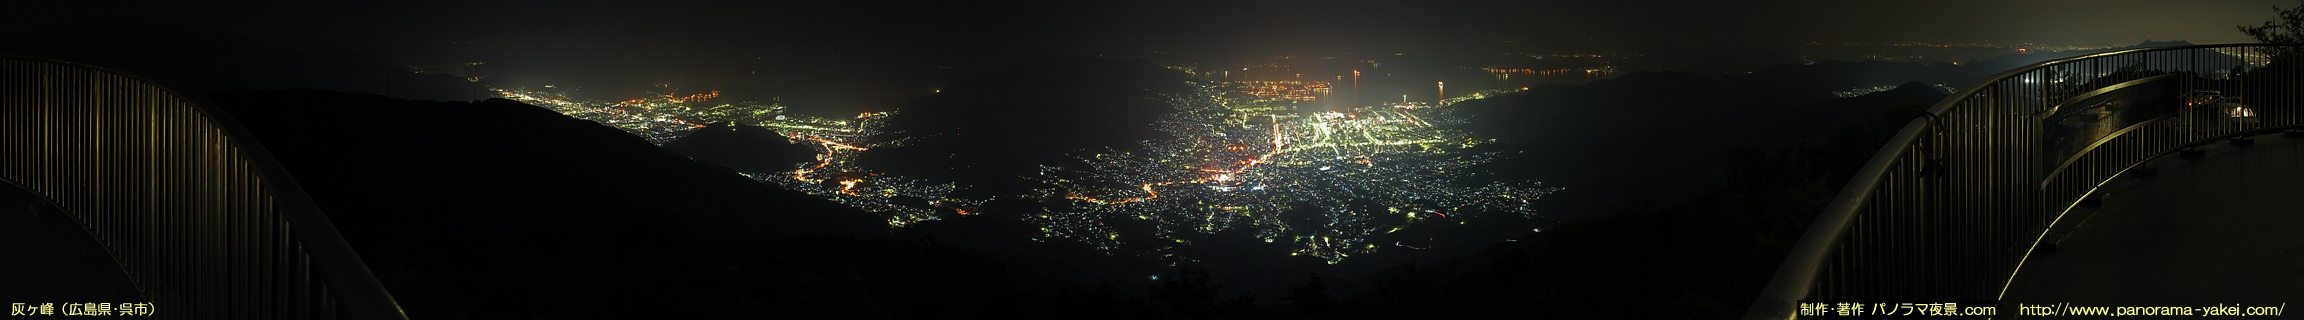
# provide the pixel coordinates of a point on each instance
(741, 147)
(1661, 131)
(499, 206)
(1834, 75)
(1701, 254)
(1843, 113)
(498, 209)
(223, 62)
(521, 166)
(1666, 137)
(1976, 70)
(1707, 59)
(1764, 70)
(2155, 44)
(990, 130)
(482, 209)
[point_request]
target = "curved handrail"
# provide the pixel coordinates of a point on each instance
(1973, 88)
(1798, 273)
(348, 285)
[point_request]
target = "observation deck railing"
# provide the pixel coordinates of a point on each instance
(194, 211)
(1953, 204)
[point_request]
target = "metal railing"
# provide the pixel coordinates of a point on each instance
(194, 211)
(1950, 208)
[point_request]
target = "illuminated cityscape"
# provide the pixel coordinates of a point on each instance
(1240, 155)
(1861, 91)
(1288, 90)
(658, 118)
(836, 176)
(833, 175)
(1267, 151)
(1333, 160)
(1234, 162)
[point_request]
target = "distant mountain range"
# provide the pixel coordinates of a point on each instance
(1977, 70)
(205, 62)
(497, 209)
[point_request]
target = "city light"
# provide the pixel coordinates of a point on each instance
(662, 118)
(1229, 164)
(1238, 156)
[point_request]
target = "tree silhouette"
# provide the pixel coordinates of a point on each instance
(1242, 306)
(1312, 299)
(2288, 29)
(1188, 293)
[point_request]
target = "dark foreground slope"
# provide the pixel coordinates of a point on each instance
(503, 210)
(742, 147)
(496, 210)
(1659, 132)
(511, 168)
(1705, 255)
(224, 61)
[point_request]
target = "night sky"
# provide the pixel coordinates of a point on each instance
(1171, 25)
(1634, 150)
(817, 44)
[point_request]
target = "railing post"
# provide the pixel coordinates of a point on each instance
(1979, 159)
(196, 213)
